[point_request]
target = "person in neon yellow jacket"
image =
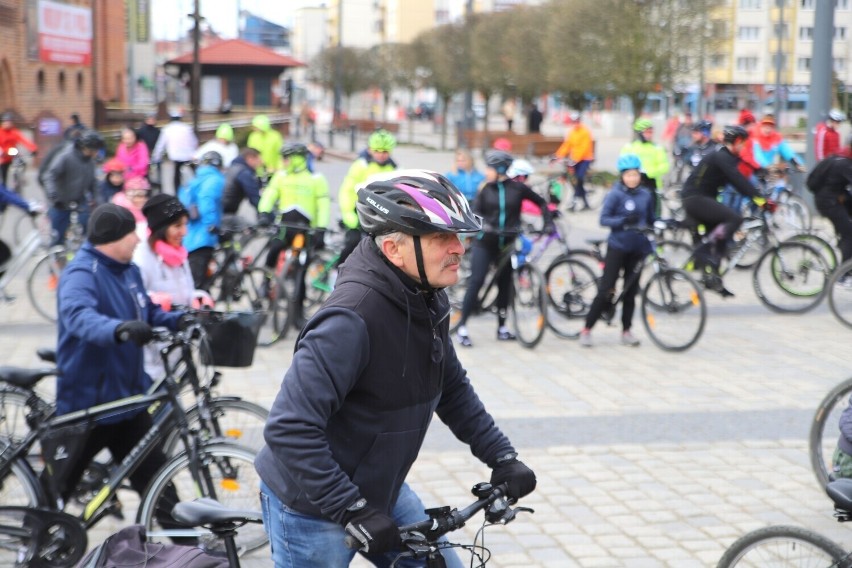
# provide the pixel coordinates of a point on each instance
(301, 199)
(267, 141)
(374, 160)
(654, 158)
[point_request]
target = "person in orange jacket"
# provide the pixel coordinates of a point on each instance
(11, 137)
(579, 148)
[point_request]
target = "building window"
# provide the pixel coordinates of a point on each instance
(40, 80)
(750, 4)
(807, 4)
(839, 34)
(262, 92)
(61, 81)
(718, 61)
(80, 81)
(746, 63)
(748, 33)
(237, 90)
(803, 64)
(839, 64)
(806, 33)
(842, 4)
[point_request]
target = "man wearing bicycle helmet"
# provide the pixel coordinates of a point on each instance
(627, 206)
(298, 197)
(202, 198)
(71, 179)
(377, 159)
(370, 370)
(499, 202)
(655, 160)
(700, 192)
(827, 136)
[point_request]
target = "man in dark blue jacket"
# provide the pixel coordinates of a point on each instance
(105, 316)
(370, 370)
(241, 182)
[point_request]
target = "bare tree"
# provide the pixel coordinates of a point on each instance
(349, 62)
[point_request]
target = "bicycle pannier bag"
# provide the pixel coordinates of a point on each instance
(61, 448)
(128, 548)
(232, 336)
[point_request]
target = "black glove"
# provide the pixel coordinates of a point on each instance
(185, 321)
(376, 532)
(632, 218)
(137, 331)
(265, 219)
(319, 240)
(519, 479)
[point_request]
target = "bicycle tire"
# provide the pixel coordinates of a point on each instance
(674, 312)
(235, 420)
(823, 246)
(19, 486)
(676, 253)
(528, 305)
(590, 258)
(259, 289)
(43, 282)
(755, 247)
(13, 413)
(825, 431)
(571, 287)
(320, 275)
(782, 546)
(839, 292)
(791, 214)
(798, 271)
(24, 225)
(234, 492)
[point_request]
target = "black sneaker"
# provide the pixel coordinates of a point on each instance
(505, 336)
(714, 282)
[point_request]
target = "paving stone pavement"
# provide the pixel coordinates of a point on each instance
(644, 458)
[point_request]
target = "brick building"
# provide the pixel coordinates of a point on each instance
(57, 57)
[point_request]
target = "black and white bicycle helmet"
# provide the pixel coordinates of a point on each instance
(734, 132)
(294, 149)
(415, 202)
(499, 160)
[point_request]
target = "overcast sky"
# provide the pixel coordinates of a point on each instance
(221, 14)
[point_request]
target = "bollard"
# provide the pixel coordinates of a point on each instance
(459, 135)
(313, 131)
(331, 137)
(352, 131)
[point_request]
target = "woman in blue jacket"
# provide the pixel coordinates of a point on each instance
(465, 176)
(202, 197)
(627, 206)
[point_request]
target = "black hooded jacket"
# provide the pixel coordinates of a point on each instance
(369, 370)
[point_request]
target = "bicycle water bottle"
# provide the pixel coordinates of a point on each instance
(523, 246)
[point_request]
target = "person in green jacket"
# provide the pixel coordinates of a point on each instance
(376, 159)
(267, 141)
(300, 198)
(654, 158)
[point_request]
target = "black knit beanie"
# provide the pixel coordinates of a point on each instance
(109, 223)
(162, 210)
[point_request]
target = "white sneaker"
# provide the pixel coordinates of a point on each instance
(585, 339)
(627, 338)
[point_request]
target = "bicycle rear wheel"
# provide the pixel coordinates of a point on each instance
(782, 546)
(820, 244)
(825, 431)
(529, 305)
(237, 421)
(791, 278)
(43, 282)
(673, 310)
(571, 287)
(839, 291)
(792, 214)
(320, 276)
(227, 475)
(258, 289)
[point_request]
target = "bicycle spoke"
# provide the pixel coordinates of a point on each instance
(673, 310)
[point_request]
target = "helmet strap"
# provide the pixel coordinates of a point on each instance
(421, 267)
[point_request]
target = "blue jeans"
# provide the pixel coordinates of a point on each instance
(299, 540)
(60, 220)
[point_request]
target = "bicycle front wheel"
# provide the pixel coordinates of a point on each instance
(825, 431)
(782, 546)
(791, 277)
(571, 287)
(237, 421)
(43, 282)
(226, 473)
(529, 305)
(673, 310)
(839, 293)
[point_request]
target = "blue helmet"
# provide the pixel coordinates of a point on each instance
(629, 162)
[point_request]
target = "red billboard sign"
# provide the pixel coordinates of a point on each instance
(64, 33)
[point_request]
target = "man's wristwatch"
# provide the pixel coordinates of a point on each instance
(511, 456)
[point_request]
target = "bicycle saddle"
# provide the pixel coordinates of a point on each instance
(205, 511)
(25, 378)
(840, 491)
(46, 354)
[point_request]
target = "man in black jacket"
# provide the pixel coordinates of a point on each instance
(241, 181)
(370, 370)
(699, 193)
(830, 181)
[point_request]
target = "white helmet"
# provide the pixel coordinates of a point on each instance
(836, 115)
(520, 167)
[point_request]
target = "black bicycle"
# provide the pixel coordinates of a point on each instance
(208, 466)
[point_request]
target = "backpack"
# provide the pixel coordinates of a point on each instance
(50, 157)
(817, 178)
(128, 549)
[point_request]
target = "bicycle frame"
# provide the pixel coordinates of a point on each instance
(19, 260)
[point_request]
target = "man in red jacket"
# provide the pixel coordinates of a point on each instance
(826, 137)
(10, 137)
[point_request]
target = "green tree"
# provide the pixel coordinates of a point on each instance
(389, 66)
(487, 48)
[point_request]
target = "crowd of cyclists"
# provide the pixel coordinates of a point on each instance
(121, 200)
